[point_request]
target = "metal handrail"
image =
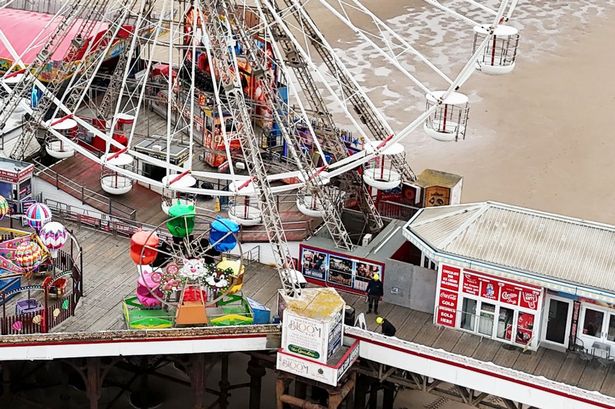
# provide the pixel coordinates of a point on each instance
(74, 213)
(87, 196)
(253, 255)
(125, 227)
(467, 362)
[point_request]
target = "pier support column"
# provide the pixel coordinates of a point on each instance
(280, 391)
(337, 395)
(224, 383)
(256, 371)
(94, 379)
(332, 399)
(195, 369)
(389, 395)
(6, 381)
(361, 391)
(300, 389)
(373, 394)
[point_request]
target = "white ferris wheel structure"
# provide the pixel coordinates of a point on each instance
(252, 91)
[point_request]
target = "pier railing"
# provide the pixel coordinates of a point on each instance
(127, 227)
(443, 366)
(95, 219)
(85, 195)
(394, 210)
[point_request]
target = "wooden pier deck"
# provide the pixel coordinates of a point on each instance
(79, 171)
(110, 275)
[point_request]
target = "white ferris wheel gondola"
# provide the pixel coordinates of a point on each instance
(113, 182)
(380, 172)
(240, 208)
(172, 194)
(449, 119)
(499, 56)
(56, 148)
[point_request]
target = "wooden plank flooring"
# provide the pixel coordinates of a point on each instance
(110, 275)
(85, 172)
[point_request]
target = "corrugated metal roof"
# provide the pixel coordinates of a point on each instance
(555, 246)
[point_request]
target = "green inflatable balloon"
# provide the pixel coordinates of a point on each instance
(182, 220)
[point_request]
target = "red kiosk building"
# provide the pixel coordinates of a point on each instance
(520, 276)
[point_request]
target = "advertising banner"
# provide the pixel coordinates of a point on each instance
(446, 317)
(304, 336)
(471, 284)
(344, 272)
(307, 369)
(450, 278)
(329, 374)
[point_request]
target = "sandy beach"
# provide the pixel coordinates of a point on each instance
(538, 137)
(541, 137)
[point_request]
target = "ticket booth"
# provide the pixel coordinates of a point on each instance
(16, 183)
(439, 188)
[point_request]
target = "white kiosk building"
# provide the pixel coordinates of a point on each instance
(521, 276)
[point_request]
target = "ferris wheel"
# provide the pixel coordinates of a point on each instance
(234, 98)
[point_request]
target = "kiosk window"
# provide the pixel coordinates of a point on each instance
(592, 324)
(487, 313)
(505, 320)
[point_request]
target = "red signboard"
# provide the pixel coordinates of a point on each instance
(530, 298)
(471, 284)
(489, 289)
(450, 278)
(446, 317)
(8, 176)
(509, 294)
(448, 299)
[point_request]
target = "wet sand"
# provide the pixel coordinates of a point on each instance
(539, 137)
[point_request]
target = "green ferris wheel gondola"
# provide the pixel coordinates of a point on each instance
(181, 221)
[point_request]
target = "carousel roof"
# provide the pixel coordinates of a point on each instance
(22, 27)
(547, 245)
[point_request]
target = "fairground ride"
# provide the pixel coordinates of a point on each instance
(253, 91)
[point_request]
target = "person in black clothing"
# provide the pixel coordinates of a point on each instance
(375, 291)
(388, 329)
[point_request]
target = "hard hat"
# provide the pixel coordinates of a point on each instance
(376, 277)
(379, 320)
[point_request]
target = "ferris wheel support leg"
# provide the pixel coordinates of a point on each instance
(330, 213)
(351, 182)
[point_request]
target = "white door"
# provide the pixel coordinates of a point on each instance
(557, 321)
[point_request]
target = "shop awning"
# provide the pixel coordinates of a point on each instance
(22, 28)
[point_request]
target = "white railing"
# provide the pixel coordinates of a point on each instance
(485, 376)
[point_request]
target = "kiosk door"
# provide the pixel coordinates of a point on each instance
(558, 321)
